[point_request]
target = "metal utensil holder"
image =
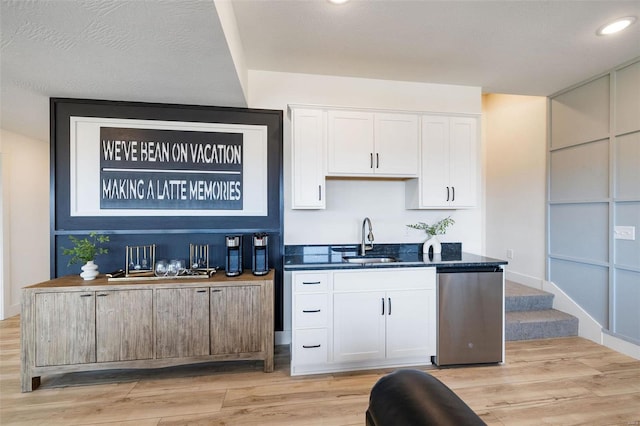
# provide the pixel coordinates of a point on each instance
(140, 259)
(199, 257)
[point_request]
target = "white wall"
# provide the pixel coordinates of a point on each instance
(25, 216)
(350, 200)
(515, 172)
(227, 17)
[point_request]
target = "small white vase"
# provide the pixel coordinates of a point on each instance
(89, 270)
(432, 244)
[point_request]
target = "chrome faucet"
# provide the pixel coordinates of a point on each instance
(363, 246)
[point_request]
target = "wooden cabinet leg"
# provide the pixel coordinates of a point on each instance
(268, 365)
(30, 383)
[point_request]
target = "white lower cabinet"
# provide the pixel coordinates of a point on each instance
(311, 347)
(364, 319)
(383, 325)
(411, 330)
(310, 320)
(358, 326)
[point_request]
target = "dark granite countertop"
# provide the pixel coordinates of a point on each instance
(314, 257)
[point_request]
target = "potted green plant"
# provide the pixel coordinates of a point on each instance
(85, 250)
(432, 244)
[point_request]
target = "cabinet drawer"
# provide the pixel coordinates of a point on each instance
(311, 311)
(308, 282)
(310, 346)
(388, 279)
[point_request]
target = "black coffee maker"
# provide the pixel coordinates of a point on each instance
(233, 245)
(260, 254)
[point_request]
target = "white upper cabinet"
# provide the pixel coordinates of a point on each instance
(372, 144)
(308, 158)
(397, 144)
(350, 143)
(435, 188)
(449, 164)
(438, 154)
(463, 161)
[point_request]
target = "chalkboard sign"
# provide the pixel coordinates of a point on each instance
(133, 167)
(170, 169)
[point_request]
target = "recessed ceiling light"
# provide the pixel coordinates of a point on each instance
(616, 26)
(338, 1)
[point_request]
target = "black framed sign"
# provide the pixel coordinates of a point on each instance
(126, 162)
(160, 168)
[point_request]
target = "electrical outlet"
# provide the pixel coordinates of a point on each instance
(624, 233)
(509, 253)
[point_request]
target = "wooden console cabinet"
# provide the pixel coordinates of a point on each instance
(69, 324)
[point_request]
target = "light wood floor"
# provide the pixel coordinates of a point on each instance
(566, 381)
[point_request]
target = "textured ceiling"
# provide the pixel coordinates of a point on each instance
(175, 51)
(518, 47)
(153, 51)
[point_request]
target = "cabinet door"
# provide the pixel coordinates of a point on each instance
(235, 320)
(434, 180)
(358, 326)
(65, 328)
(463, 161)
(182, 322)
(396, 145)
(350, 143)
(411, 324)
(307, 159)
(124, 325)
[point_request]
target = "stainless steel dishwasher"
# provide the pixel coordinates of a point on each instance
(470, 316)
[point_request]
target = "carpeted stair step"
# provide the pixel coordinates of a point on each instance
(529, 315)
(543, 324)
(522, 298)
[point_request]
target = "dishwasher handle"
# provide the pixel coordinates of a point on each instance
(454, 270)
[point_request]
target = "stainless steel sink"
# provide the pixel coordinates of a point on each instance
(369, 259)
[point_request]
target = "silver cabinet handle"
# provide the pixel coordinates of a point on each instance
(453, 189)
(371, 160)
(382, 300)
(447, 193)
(389, 306)
(102, 295)
(310, 346)
(310, 282)
(377, 160)
(86, 295)
(314, 311)
(216, 291)
(319, 192)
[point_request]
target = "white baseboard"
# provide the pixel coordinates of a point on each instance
(523, 279)
(588, 327)
(283, 337)
(621, 345)
(10, 311)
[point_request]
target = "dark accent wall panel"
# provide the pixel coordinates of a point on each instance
(172, 234)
